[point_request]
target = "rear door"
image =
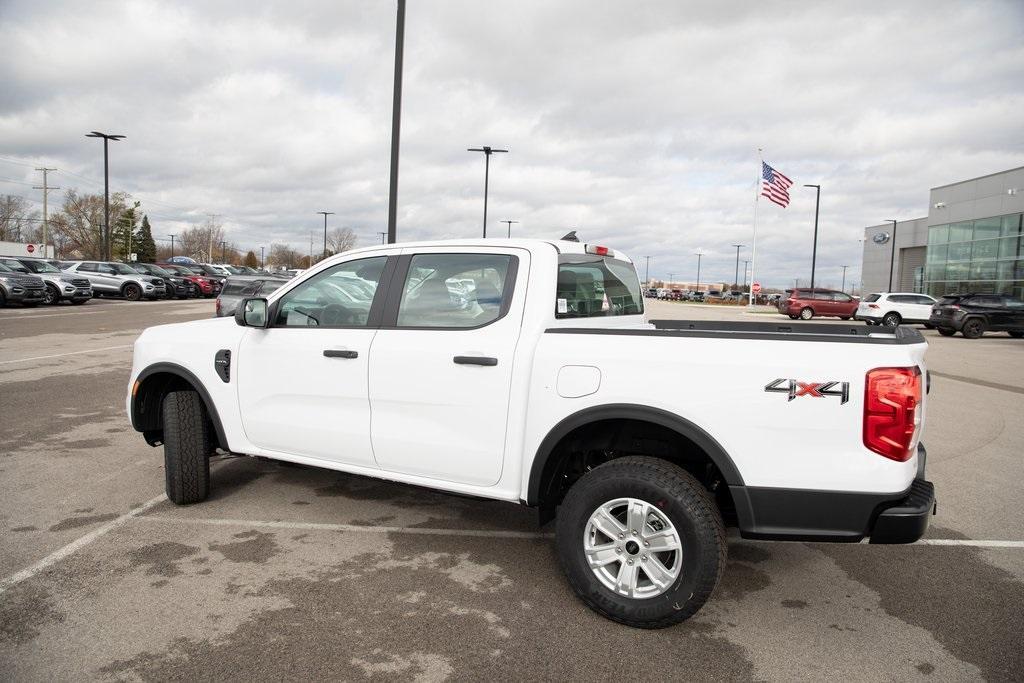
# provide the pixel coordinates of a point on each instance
(441, 364)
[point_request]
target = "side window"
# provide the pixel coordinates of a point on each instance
(455, 290)
(839, 296)
(821, 296)
(340, 296)
(88, 267)
(925, 301)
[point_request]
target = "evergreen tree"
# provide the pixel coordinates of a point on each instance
(251, 260)
(145, 247)
(123, 234)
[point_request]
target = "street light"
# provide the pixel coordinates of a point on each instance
(698, 254)
(647, 272)
(488, 151)
(383, 237)
(172, 244)
(396, 124)
(510, 227)
(223, 246)
(736, 273)
(746, 264)
(105, 237)
(843, 288)
(892, 253)
(814, 249)
(326, 214)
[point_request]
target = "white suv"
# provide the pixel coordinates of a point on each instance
(893, 309)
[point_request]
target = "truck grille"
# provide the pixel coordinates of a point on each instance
(80, 282)
(32, 286)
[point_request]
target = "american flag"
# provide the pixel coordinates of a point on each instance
(775, 186)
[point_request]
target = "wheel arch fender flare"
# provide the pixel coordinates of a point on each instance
(142, 422)
(628, 411)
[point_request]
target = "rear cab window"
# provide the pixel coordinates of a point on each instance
(596, 286)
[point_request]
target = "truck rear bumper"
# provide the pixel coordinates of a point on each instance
(836, 516)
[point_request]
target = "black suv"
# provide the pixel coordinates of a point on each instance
(974, 314)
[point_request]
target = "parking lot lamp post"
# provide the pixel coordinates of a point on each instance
(736, 273)
(814, 248)
(223, 248)
(647, 272)
(326, 214)
(172, 245)
(488, 151)
(892, 253)
(105, 237)
(396, 123)
(509, 223)
(843, 288)
(698, 254)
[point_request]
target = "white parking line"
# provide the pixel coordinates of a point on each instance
(316, 526)
(49, 315)
(69, 353)
(75, 545)
(970, 543)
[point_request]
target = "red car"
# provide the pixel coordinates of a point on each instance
(807, 303)
(206, 286)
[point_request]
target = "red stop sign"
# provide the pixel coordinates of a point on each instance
(756, 287)
(31, 248)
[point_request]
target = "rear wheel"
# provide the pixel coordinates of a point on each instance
(3, 299)
(946, 331)
(806, 313)
(641, 542)
(188, 442)
(973, 328)
(892, 319)
(132, 292)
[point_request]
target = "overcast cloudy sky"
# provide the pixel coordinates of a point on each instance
(637, 123)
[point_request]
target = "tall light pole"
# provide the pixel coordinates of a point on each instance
(843, 288)
(223, 251)
(698, 254)
(736, 274)
(172, 244)
(105, 237)
(488, 151)
(510, 227)
(814, 248)
(745, 265)
(325, 214)
(892, 253)
(647, 272)
(396, 123)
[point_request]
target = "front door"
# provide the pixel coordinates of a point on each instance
(302, 382)
(441, 364)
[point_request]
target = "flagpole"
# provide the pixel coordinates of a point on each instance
(753, 249)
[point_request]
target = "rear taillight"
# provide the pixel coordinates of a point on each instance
(872, 305)
(892, 411)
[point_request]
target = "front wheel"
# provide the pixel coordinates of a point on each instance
(973, 328)
(806, 313)
(52, 295)
(946, 331)
(132, 292)
(641, 542)
(188, 442)
(892, 319)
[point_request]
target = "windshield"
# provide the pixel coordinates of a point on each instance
(209, 270)
(872, 297)
(122, 269)
(591, 287)
(15, 266)
(178, 270)
(154, 270)
(40, 267)
(5, 269)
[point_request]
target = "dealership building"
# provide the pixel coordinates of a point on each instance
(972, 240)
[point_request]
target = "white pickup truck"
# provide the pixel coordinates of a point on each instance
(525, 371)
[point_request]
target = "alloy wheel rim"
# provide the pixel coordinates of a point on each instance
(633, 548)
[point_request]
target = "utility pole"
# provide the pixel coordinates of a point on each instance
(261, 258)
(223, 249)
(892, 253)
(105, 237)
(325, 214)
(736, 274)
(396, 124)
(213, 217)
(46, 192)
(843, 288)
(172, 245)
(488, 151)
(745, 264)
(510, 227)
(310, 248)
(383, 237)
(814, 249)
(699, 254)
(647, 272)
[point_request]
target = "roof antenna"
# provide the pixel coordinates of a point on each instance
(571, 237)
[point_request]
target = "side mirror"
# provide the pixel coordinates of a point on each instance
(252, 313)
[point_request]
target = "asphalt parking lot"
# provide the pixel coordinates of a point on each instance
(291, 572)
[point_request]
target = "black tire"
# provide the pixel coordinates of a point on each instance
(52, 296)
(29, 304)
(892, 319)
(973, 328)
(78, 302)
(844, 317)
(1016, 334)
(806, 313)
(132, 292)
(929, 326)
(683, 501)
(3, 299)
(793, 317)
(188, 441)
(946, 331)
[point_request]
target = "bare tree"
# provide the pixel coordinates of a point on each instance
(283, 256)
(195, 242)
(17, 219)
(340, 239)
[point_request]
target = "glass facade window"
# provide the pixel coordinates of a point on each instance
(984, 255)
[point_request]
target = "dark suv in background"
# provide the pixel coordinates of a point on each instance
(973, 315)
(175, 285)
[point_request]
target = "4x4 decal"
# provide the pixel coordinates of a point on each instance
(795, 389)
